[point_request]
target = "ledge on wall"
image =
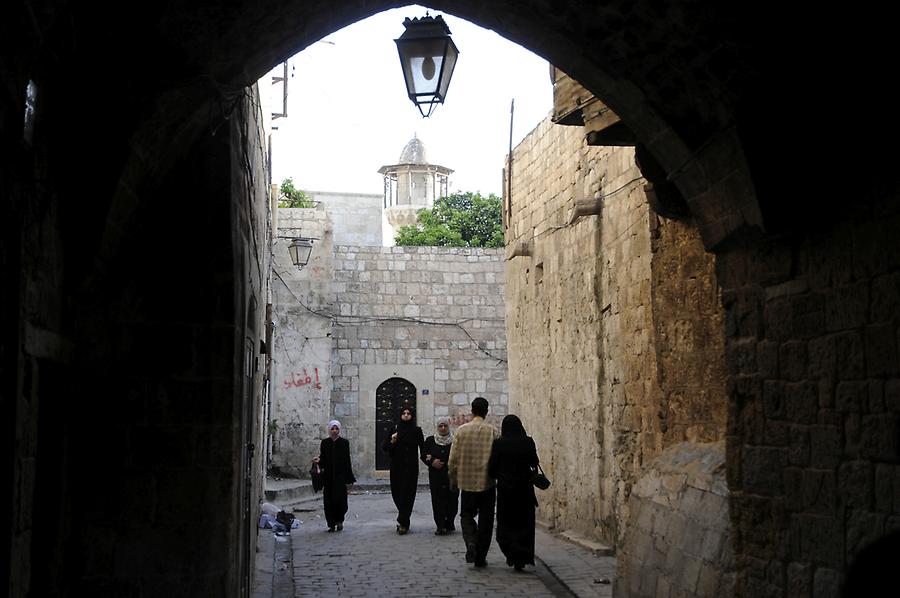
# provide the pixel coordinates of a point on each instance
(585, 207)
(519, 249)
(596, 548)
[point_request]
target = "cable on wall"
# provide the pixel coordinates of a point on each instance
(339, 320)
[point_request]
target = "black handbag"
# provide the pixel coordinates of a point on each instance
(540, 481)
(315, 474)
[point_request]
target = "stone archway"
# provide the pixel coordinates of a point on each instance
(694, 80)
(208, 56)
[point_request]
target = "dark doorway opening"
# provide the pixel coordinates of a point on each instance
(391, 396)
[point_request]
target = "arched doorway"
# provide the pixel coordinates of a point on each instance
(391, 395)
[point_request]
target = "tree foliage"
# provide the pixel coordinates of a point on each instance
(291, 197)
(458, 220)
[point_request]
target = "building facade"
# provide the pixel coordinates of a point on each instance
(365, 329)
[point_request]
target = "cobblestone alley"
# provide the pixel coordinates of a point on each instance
(368, 558)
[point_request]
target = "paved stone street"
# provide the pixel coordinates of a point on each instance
(369, 558)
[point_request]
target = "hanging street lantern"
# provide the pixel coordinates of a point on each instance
(427, 56)
(300, 248)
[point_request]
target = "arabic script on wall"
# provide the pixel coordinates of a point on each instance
(298, 381)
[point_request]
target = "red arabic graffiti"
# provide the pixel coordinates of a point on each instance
(298, 381)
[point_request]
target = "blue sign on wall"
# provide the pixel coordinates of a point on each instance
(424, 391)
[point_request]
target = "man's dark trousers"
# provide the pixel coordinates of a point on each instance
(477, 536)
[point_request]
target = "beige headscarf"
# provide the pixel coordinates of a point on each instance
(447, 438)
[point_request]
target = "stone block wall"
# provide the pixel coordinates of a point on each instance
(356, 316)
(138, 396)
(614, 323)
(432, 315)
(678, 543)
(689, 336)
(813, 330)
(251, 261)
(557, 312)
(631, 395)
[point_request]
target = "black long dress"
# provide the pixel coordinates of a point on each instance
(405, 455)
(334, 460)
(444, 500)
(510, 464)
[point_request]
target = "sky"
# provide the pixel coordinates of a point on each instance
(349, 115)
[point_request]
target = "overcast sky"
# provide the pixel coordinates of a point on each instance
(348, 113)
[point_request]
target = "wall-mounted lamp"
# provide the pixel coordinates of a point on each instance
(427, 56)
(300, 249)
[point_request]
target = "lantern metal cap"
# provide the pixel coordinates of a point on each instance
(426, 26)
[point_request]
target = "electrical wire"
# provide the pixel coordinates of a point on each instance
(553, 229)
(345, 320)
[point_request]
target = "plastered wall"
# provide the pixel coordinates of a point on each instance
(302, 338)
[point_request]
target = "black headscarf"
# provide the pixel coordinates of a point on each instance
(406, 429)
(512, 427)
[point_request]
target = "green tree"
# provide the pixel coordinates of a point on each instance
(458, 220)
(291, 197)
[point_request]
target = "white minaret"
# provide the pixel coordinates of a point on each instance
(410, 185)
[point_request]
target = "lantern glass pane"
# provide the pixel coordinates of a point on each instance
(423, 60)
(447, 72)
(303, 254)
(300, 250)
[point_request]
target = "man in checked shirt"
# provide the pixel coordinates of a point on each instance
(467, 467)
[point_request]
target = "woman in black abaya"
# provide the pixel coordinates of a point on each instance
(444, 499)
(337, 474)
(512, 457)
(405, 448)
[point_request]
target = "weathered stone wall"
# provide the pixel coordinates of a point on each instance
(134, 420)
(612, 353)
(432, 315)
(813, 328)
(631, 394)
(555, 309)
(689, 336)
(251, 261)
(358, 215)
(678, 541)
(356, 316)
(302, 338)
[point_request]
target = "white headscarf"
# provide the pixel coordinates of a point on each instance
(447, 438)
(334, 423)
